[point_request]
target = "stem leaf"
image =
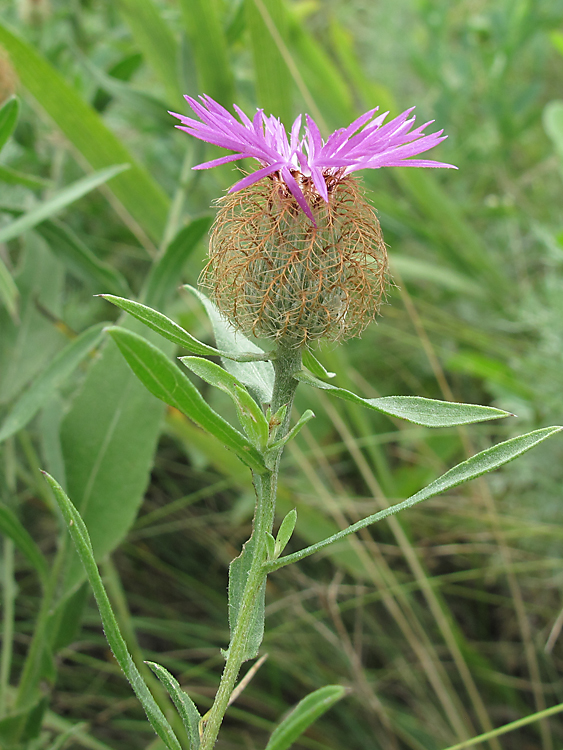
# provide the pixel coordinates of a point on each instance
(427, 412)
(303, 715)
(184, 705)
(165, 381)
(11, 526)
(285, 531)
(8, 119)
(83, 546)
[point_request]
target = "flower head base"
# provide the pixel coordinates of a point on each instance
(365, 144)
(296, 251)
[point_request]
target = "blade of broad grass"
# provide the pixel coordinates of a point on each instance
(83, 546)
(423, 411)
(508, 727)
(207, 38)
(142, 198)
(60, 200)
(273, 81)
(485, 461)
(14, 530)
(51, 378)
(303, 715)
(164, 380)
(184, 705)
(13, 177)
(9, 293)
(8, 119)
(155, 40)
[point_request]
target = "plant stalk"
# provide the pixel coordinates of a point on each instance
(286, 363)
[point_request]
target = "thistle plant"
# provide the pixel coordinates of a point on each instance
(296, 255)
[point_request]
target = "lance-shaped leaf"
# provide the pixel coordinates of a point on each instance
(424, 411)
(257, 376)
(37, 395)
(12, 528)
(81, 540)
(249, 413)
(8, 291)
(184, 705)
(303, 715)
(488, 460)
(165, 381)
(303, 419)
(313, 364)
(172, 331)
(60, 200)
(285, 531)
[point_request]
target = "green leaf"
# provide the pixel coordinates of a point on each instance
(184, 705)
(165, 381)
(488, 460)
(59, 201)
(140, 195)
(169, 329)
(12, 528)
(249, 413)
(79, 259)
(61, 740)
(23, 726)
(313, 364)
(238, 575)
(285, 531)
(303, 419)
(424, 411)
(8, 290)
(553, 124)
(303, 715)
(258, 377)
(165, 273)
(8, 119)
(56, 372)
(83, 546)
(13, 177)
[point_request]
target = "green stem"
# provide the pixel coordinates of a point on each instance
(286, 363)
(9, 588)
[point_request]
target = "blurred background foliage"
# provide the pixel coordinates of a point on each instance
(444, 622)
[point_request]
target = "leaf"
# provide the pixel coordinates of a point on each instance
(285, 531)
(165, 274)
(8, 119)
(165, 381)
(79, 259)
(258, 377)
(238, 575)
(184, 705)
(166, 327)
(59, 201)
(136, 190)
(303, 419)
(303, 715)
(23, 726)
(483, 462)
(13, 177)
(553, 124)
(56, 372)
(313, 364)
(424, 411)
(12, 528)
(8, 290)
(250, 414)
(83, 546)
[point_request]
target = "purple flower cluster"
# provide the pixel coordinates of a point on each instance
(365, 144)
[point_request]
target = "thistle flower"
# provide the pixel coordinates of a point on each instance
(296, 251)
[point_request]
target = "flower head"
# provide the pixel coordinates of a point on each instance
(367, 143)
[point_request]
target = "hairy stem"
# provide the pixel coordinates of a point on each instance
(286, 363)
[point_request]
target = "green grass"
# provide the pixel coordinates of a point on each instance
(439, 619)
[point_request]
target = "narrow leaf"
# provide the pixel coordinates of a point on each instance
(165, 381)
(117, 644)
(8, 119)
(488, 460)
(13, 177)
(184, 705)
(238, 576)
(8, 290)
(285, 531)
(250, 414)
(12, 527)
(59, 201)
(257, 376)
(424, 411)
(313, 364)
(303, 715)
(56, 372)
(303, 419)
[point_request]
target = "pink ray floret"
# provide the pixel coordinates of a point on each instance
(367, 143)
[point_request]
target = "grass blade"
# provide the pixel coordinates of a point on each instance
(12, 528)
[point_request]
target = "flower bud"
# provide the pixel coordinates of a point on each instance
(276, 274)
